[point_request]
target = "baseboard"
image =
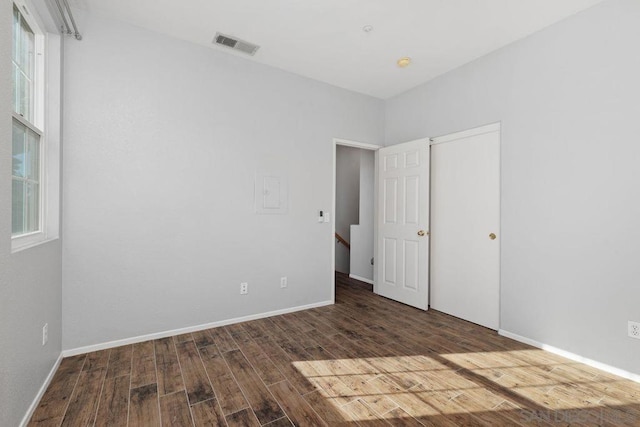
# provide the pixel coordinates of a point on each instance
(164, 334)
(362, 279)
(572, 356)
(36, 400)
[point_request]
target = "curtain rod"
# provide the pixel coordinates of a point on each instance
(65, 11)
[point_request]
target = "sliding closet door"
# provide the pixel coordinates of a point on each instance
(465, 220)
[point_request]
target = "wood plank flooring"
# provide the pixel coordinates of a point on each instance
(365, 361)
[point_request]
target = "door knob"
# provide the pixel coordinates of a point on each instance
(422, 233)
(492, 236)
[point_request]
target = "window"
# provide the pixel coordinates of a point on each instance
(36, 120)
(26, 190)
(23, 59)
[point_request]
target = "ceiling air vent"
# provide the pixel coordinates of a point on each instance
(235, 44)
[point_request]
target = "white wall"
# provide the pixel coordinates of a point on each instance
(567, 98)
(362, 234)
(30, 280)
(347, 200)
(163, 141)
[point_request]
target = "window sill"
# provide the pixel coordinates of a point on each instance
(27, 241)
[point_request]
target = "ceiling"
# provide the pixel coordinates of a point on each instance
(324, 39)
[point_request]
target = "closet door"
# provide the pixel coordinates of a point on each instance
(465, 220)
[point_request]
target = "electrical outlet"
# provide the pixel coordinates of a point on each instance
(244, 288)
(634, 329)
(45, 334)
(283, 282)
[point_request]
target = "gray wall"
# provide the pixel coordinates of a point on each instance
(30, 280)
(163, 139)
(347, 200)
(568, 99)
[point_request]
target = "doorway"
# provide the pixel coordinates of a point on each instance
(353, 210)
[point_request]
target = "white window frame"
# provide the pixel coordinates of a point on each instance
(46, 123)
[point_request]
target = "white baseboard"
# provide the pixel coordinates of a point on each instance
(362, 279)
(572, 356)
(36, 400)
(164, 334)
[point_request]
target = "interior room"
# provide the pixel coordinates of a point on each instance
(168, 247)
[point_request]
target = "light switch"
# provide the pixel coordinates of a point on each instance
(327, 217)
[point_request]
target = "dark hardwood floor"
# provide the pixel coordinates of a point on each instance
(365, 361)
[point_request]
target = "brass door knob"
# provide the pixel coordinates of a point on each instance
(421, 233)
(492, 236)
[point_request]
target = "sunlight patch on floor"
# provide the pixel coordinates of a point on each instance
(498, 383)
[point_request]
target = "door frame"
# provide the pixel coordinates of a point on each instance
(364, 146)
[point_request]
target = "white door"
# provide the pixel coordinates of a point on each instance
(465, 220)
(402, 223)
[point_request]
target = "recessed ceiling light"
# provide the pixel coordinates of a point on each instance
(367, 28)
(404, 62)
